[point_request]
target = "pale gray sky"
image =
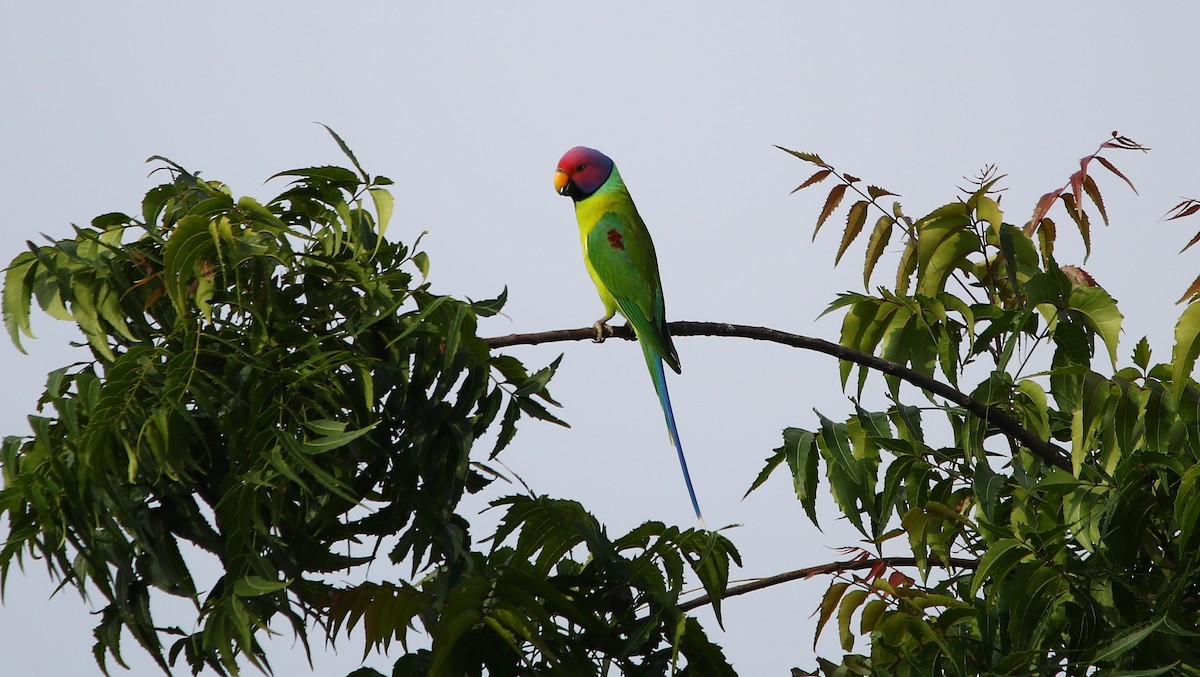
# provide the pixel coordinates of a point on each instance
(468, 107)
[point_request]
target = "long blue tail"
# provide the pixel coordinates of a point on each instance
(654, 362)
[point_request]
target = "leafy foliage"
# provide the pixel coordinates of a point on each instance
(277, 387)
(1022, 567)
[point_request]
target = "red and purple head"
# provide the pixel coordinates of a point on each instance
(581, 172)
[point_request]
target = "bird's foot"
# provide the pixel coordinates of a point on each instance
(603, 331)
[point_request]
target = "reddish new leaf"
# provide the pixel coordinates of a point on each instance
(814, 179)
(1089, 186)
(852, 179)
(831, 203)
(1191, 242)
(1191, 291)
(1077, 189)
(1183, 209)
(1081, 221)
(1123, 143)
(1078, 276)
(1109, 166)
(1044, 204)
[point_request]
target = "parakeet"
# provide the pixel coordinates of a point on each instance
(619, 256)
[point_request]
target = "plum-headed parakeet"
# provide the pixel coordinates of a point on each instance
(619, 256)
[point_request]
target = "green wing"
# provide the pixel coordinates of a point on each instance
(622, 254)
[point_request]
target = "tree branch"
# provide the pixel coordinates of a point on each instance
(830, 568)
(1048, 451)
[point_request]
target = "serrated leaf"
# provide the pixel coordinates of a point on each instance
(1141, 354)
(490, 307)
(831, 203)
(17, 296)
(987, 209)
(871, 614)
(908, 265)
(1076, 182)
(254, 586)
(1082, 222)
(876, 192)
(943, 242)
(828, 603)
(849, 604)
(816, 178)
(807, 157)
(836, 442)
(1186, 348)
(1089, 186)
(1184, 209)
(346, 149)
(801, 453)
(338, 176)
(190, 244)
(1040, 210)
(997, 561)
(1192, 290)
(854, 223)
(876, 245)
(1100, 313)
(334, 439)
(1124, 641)
(1109, 166)
(1036, 407)
(1046, 236)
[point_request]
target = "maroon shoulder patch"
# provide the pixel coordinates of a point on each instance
(614, 239)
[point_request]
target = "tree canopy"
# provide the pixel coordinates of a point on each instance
(275, 386)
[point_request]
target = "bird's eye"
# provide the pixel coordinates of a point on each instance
(579, 168)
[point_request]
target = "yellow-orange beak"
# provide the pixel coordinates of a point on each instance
(560, 181)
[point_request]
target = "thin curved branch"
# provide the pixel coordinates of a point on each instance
(1048, 451)
(830, 568)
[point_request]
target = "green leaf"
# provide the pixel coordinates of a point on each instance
(1035, 407)
(350, 154)
(1184, 352)
(997, 561)
(807, 157)
(1100, 314)
(490, 307)
(17, 291)
(189, 245)
(384, 204)
(855, 220)
(421, 259)
(254, 586)
(944, 239)
(828, 604)
(876, 245)
(834, 440)
(1122, 642)
(333, 439)
(908, 265)
(871, 614)
(849, 604)
(987, 209)
(801, 450)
